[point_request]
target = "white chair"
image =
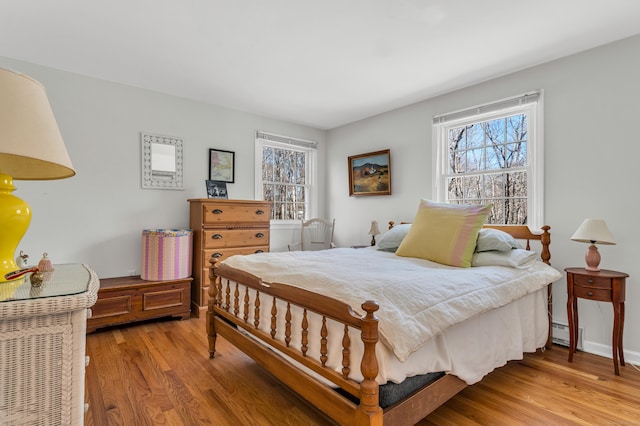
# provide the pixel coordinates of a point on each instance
(315, 234)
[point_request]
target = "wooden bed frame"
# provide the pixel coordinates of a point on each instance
(229, 316)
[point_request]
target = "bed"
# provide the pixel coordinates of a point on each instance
(342, 356)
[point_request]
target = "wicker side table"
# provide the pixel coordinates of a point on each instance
(42, 347)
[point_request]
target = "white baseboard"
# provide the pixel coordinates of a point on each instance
(630, 357)
(561, 337)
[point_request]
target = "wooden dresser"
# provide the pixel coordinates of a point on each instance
(223, 228)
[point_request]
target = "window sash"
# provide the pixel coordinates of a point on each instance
(530, 105)
(282, 204)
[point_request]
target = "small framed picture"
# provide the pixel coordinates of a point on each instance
(217, 189)
(222, 165)
(370, 174)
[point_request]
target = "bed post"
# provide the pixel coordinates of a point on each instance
(369, 412)
(545, 255)
(213, 288)
(545, 240)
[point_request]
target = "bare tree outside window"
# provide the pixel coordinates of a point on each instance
(488, 165)
(283, 181)
(284, 176)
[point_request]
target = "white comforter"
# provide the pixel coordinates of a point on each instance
(418, 299)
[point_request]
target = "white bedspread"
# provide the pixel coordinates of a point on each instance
(418, 299)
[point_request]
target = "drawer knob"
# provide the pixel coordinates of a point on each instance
(259, 235)
(216, 236)
(259, 251)
(216, 255)
(590, 293)
(216, 211)
(87, 360)
(590, 281)
(259, 211)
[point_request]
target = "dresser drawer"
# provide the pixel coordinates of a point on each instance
(221, 238)
(586, 281)
(223, 253)
(236, 213)
(599, 294)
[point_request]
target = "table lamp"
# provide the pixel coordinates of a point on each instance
(373, 231)
(593, 231)
(31, 148)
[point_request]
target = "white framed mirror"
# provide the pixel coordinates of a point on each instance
(161, 161)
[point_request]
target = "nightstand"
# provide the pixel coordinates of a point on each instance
(42, 341)
(601, 286)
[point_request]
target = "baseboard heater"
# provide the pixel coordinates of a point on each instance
(560, 334)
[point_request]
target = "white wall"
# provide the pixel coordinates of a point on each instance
(97, 216)
(591, 153)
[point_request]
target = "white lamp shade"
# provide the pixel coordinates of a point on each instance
(31, 147)
(593, 231)
(374, 228)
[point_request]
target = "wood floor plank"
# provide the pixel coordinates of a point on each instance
(159, 373)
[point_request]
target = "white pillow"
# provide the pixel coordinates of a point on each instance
(493, 239)
(516, 258)
(391, 240)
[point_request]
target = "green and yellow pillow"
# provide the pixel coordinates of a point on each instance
(444, 233)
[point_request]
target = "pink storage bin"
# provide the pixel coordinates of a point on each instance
(166, 254)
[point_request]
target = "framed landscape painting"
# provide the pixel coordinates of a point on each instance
(370, 174)
(221, 165)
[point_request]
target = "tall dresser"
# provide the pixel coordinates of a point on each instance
(223, 228)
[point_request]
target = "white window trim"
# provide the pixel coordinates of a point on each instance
(535, 157)
(311, 148)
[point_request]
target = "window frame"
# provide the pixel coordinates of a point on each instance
(309, 148)
(499, 109)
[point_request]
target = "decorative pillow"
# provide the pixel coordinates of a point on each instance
(391, 240)
(495, 240)
(444, 233)
(516, 258)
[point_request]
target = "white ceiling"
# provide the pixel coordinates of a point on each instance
(321, 63)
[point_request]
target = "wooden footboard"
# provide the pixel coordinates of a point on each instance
(234, 313)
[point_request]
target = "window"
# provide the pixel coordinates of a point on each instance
(285, 175)
(492, 154)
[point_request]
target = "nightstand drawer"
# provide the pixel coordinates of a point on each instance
(602, 295)
(586, 281)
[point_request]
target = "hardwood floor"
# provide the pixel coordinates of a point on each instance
(159, 373)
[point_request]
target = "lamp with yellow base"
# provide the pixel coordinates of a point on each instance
(31, 148)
